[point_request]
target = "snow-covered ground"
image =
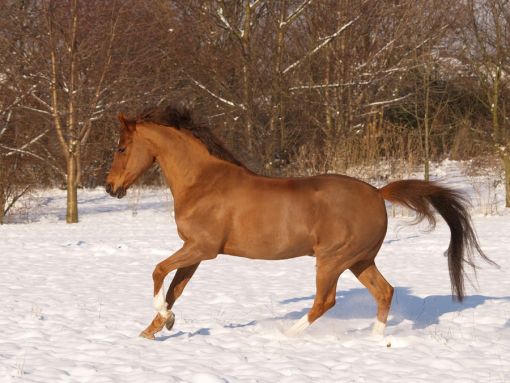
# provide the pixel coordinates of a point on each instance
(74, 298)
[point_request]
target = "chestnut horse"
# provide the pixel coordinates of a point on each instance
(222, 207)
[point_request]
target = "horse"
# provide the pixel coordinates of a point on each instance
(222, 207)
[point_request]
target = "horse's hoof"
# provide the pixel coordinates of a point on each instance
(146, 335)
(169, 324)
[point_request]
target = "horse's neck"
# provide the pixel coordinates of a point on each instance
(183, 159)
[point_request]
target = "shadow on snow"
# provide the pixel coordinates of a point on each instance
(358, 303)
(422, 312)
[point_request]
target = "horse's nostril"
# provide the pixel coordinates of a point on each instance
(109, 188)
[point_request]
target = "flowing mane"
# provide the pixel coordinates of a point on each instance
(180, 118)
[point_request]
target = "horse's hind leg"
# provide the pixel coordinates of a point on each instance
(381, 290)
(325, 297)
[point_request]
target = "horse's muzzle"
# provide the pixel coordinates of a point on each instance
(119, 193)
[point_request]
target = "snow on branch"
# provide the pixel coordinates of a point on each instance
(26, 152)
(254, 4)
(34, 140)
(22, 148)
(40, 101)
(296, 13)
(8, 109)
(323, 86)
(325, 42)
(387, 102)
(224, 100)
(389, 44)
(7, 120)
(18, 99)
(35, 110)
(238, 32)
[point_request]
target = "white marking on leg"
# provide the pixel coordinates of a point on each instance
(159, 299)
(160, 303)
(298, 327)
(378, 328)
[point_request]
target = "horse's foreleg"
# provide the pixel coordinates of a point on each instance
(325, 297)
(186, 259)
(181, 279)
(381, 290)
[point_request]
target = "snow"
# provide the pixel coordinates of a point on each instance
(75, 297)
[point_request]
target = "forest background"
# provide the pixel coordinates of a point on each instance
(292, 87)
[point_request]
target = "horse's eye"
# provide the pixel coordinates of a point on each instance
(121, 150)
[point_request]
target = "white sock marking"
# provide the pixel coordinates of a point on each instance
(298, 327)
(160, 303)
(378, 328)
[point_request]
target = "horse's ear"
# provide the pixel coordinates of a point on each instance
(126, 124)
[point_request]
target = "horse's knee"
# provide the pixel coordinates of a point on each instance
(158, 276)
(158, 273)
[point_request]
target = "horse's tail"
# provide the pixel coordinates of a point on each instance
(420, 196)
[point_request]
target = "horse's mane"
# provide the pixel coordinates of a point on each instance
(180, 118)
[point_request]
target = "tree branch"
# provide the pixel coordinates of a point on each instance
(224, 100)
(15, 199)
(226, 24)
(85, 131)
(387, 102)
(20, 151)
(326, 41)
(326, 86)
(8, 119)
(26, 145)
(296, 13)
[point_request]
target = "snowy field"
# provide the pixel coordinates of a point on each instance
(75, 297)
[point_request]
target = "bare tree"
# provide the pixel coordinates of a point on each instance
(74, 70)
(17, 141)
(486, 42)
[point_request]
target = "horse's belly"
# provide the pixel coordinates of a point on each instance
(257, 245)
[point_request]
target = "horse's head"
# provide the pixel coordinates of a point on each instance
(132, 157)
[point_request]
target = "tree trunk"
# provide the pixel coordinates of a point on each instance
(247, 77)
(426, 123)
(506, 163)
(426, 175)
(2, 207)
(72, 189)
(276, 123)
